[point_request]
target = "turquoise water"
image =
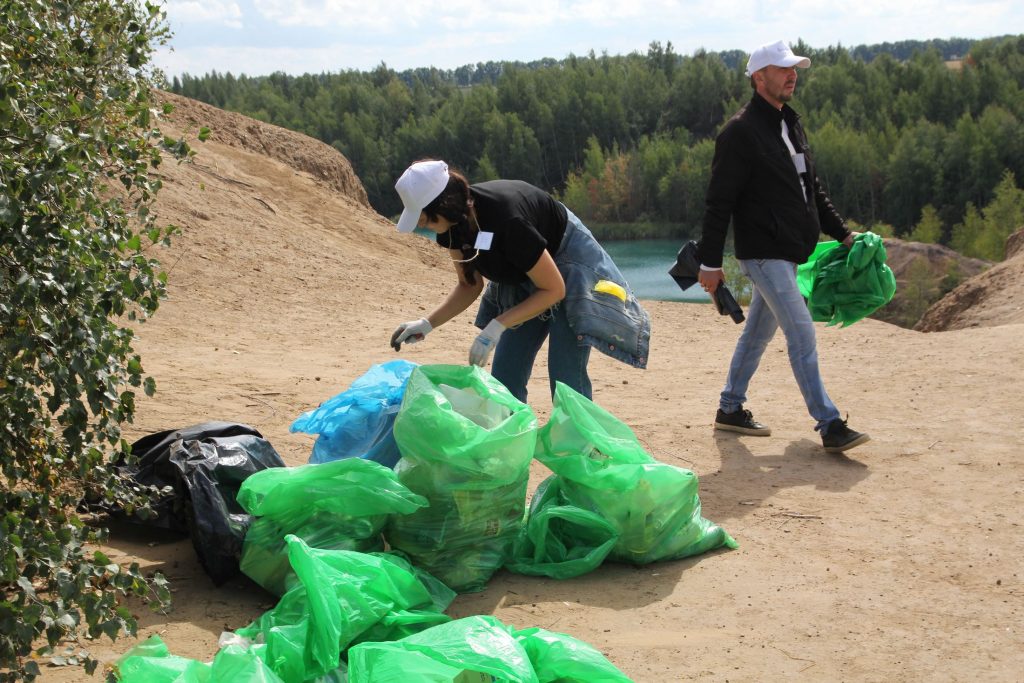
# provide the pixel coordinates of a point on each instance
(646, 263)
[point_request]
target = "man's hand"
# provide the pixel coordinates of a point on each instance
(849, 238)
(710, 279)
(485, 343)
(410, 333)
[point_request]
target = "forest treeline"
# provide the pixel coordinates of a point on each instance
(912, 138)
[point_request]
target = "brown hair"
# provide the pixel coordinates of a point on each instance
(455, 203)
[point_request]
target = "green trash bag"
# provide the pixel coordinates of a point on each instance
(466, 446)
(151, 662)
(845, 284)
(559, 658)
(481, 649)
(476, 649)
(338, 505)
(560, 541)
(341, 598)
(603, 468)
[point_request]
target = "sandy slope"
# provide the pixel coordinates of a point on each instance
(902, 562)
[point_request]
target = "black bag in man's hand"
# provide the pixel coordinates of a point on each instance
(726, 304)
(685, 272)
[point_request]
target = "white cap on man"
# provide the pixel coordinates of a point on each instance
(419, 185)
(775, 54)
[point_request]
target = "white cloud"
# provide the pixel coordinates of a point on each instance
(206, 12)
(298, 36)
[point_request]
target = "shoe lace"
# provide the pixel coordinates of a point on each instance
(840, 429)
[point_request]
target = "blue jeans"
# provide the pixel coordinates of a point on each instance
(777, 303)
(568, 351)
(518, 347)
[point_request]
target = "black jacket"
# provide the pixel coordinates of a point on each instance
(754, 182)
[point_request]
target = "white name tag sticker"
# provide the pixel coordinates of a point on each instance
(800, 163)
(483, 240)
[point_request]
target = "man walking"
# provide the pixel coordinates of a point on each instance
(763, 178)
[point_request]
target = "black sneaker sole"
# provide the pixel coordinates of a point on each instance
(766, 431)
(863, 438)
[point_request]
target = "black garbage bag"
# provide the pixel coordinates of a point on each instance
(685, 271)
(200, 469)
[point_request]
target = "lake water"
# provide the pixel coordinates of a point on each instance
(645, 264)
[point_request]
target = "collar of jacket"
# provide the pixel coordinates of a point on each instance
(763, 108)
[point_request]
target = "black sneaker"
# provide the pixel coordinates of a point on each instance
(742, 421)
(838, 437)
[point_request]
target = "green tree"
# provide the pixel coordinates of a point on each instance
(1003, 215)
(983, 234)
(76, 227)
(929, 228)
(915, 173)
(919, 291)
(965, 234)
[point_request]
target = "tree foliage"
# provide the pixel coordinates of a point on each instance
(983, 234)
(895, 127)
(76, 228)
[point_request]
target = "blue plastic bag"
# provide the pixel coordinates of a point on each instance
(358, 422)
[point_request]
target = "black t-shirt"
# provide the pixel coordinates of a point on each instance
(524, 219)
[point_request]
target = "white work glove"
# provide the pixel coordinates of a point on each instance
(485, 342)
(410, 333)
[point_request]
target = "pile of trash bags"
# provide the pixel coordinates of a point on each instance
(362, 618)
(366, 558)
(608, 498)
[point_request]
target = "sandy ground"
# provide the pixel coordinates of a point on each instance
(900, 562)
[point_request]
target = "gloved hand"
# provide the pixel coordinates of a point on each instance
(485, 342)
(410, 333)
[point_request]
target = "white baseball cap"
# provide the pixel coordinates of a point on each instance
(775, 54)
(418, 186)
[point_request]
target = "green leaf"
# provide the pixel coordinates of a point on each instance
(204, 134)
(68, 248)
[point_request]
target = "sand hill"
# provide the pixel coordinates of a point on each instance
(901, 562)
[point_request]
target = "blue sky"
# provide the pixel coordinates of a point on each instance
(257, 37)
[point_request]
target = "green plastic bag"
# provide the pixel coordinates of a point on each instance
(476, 649)
(339, 505)
(560, 658)
(341, 598)
(466, 446)
(560, 541)
(240, 665)
(482, 649)
(603, 468)
(845, 284)
(151, 662)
